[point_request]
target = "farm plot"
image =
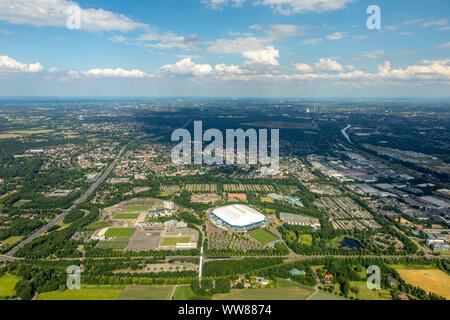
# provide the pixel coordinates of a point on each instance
(435, 281)
(223, 242)
(248, 188)
(119, 232)
(126, 216)
(201, 187)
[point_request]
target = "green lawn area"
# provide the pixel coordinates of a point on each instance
(137, 207)
(119, 232)
(7, 285)
(294, 293)
(114, 245)
(320, 295)
(414, 266)
(286, 283)
(11, 240)
(263, 235)
(86, 293)
(172, 241)
(367, 294)
(184, 293)
(98, 225)
(146, 293)
(126, 216)
(20, 203)
(306, 239)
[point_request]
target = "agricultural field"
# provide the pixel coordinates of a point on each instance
(137, 208)
(430, 280)
(172, 241)
(294, 293)
(248, 188)
(7, 285)
(126, 216)
(102, 292)
(305, 239)
(364, 293)
(201, 187)
(184, 293)
(119, 232)
(114, 245)
(263, 236)
(146, 293)
(98, 225)
(320, 295)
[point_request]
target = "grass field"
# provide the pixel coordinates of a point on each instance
(7, 285)
(137, 207)
(184, 293)
(20, 203)
(435, 281)
(306, 239)
(119, 232)
(320, 295)
(114, 245)
(126, 216)
(11, 240)
(146, 293)
(86, 293)
(172, 241)
(266, 294)
(365, 293)
(98, 225)
(262, 235)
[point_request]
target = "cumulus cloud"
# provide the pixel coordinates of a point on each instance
(371, 55)
(224, 69)
(336, 36)
(55, 13)
(267, 56)
(52, 69)
(328, 65)
(303, 67)
(8, 64)
(187, 67)
(425, 70)
(155, 38)
(114, 73)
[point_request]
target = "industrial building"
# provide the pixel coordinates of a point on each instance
(299, 220)
(238, 218)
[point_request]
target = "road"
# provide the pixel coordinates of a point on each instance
(57, 220)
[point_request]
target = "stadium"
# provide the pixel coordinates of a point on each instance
(238, 218)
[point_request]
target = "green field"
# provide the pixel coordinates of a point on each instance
(114, 245)
(11, 241)
(365, 293)
(263, 235)
(306, 239)
(119, 232)
(184, 293)
(146, 293)
(20, 203)
(137, 208)
(86, 293)
(98, 225)
(126, 216)
(293, 293)
(286, 283)
(172, 241)
(7, 285)
(320, 295)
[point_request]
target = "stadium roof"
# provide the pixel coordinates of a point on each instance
(239, 215)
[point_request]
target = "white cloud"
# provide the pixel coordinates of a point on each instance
(118, 38)
(155, 38)
(11, 65)
(54, 13)
(328, 65)
(224, 69)
(444, 45)
(336, 36)
(284, 31)
(426, 70)
(114, 73)
(371, 55)
(303, 67)
(237, 45)
(188, 67)
(52, 69)
(267, 56)
(218, 4)
(312, 41)
(435, 23)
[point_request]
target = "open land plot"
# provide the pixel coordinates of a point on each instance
(119, 232)
(219, 241)
(263, 236)
(248, 188)
(201, 187)
(11, 240)
(126, 216)
(305, 239)
(114, 245)
(137, 208)
(172, 241)
(7, 285)
(144, 240)
(146, 293)
(320, 295)
(184, 293)
(364, 293)
(266, 294)
(85, 293)
(430, 280)
(21, 202)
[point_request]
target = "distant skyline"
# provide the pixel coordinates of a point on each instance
(225, 48)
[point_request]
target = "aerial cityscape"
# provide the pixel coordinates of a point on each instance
(301, 154)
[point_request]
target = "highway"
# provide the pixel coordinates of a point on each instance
(57, 220)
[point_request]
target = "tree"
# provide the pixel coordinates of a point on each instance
(24, 290)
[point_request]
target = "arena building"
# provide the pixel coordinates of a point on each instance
(238, 218)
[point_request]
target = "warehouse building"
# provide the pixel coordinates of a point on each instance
(238, 218)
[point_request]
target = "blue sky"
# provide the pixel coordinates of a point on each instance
(295, 48)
